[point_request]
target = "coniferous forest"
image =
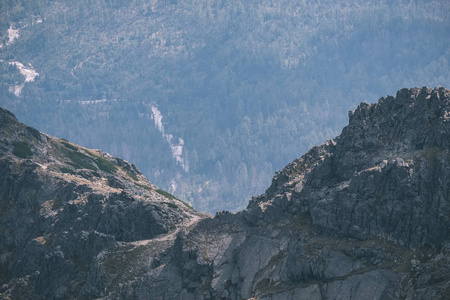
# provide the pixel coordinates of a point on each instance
(210, 98)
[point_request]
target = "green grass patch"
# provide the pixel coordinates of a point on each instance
(171, 205)
(166, 194)
(66, 170)
(144, 186)
(187, 205)
(80, 161)
(83, 161)
(172, 197)
(70, 146)
(22, 149)
(90, 153)
(102, 163)
(105, 165)
(133, 176)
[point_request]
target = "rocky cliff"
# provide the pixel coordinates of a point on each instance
(74, 219)
(363, 216)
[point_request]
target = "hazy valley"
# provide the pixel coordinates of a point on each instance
(246, 86)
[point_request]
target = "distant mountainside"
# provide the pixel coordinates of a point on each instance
(208, 98)
(363, 216)
(67, 210)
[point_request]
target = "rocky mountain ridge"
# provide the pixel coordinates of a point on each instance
(386, 143)
(363, 216)
(67, 209)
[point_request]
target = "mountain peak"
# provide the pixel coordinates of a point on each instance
(415, 116)
(369, 181)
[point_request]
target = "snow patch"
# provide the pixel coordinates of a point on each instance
(13, 34)
(84, 102)
(157, 117)
(16, 89)
(175, 146)
(28, 71)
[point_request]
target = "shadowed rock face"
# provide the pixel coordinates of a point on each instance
(363, 216)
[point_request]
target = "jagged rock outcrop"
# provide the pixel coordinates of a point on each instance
(363, 216)
(66, 210)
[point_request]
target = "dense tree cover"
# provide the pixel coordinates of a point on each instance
(248, 85)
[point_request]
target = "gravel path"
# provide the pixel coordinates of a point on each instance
(186, 226)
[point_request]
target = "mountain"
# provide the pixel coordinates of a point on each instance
(363, 216)
(208, 98)
(67, 210)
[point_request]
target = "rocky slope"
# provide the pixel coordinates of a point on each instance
(363, 216)
(71, 217)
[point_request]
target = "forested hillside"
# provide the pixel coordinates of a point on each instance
(210, 98)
